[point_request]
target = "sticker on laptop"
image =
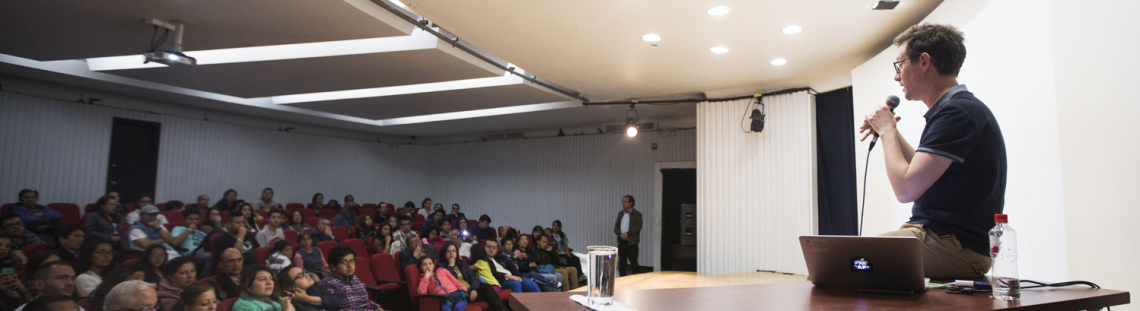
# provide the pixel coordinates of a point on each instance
(860, 264)
(817, 245)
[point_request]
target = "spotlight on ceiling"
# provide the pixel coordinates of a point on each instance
(719, 49)
(884, 5)
(631, 119)
(651, 37)
(779, 61)
(719, 11)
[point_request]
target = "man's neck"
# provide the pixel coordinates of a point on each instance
(939, 87)
(628, 210)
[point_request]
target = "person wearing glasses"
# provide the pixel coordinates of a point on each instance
(226, 284)
(957, 175)
(131, 296)
(14, 230)
(99, 261)
(40, 219)
(298, 284)
(628, 230)
(343, 282)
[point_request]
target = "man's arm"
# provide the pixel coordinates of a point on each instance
(907, 150)
(910, 179)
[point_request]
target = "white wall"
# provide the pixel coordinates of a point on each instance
(756, 192)
(1096, 74)
(1032, 63)
(61, 149)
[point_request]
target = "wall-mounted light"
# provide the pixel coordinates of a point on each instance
(631, 119)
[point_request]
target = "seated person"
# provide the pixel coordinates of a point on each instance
(282, 251)
(382, 243)
(14, 231)
(54, 302)
(226, 285)
(147, 232)
(37, 218)
(440, 282)
(198, 296)
(431, 237)
(366, 228)
(68, 242)
(343, 282)
(455, 214)
(478, 290)
(12, 290)
(435, 220)
(51, 278)
(416, 250)
(297, 283)
(483, 231)
(318, 202)
(504, 272)
(144, 200)
(104, 223)
(152, 260)
(546, 258)
(515, 260)
(297, 221)
(400, 237)
(98, 263)
(273, 230)
(180, 274)
(346, 217)
(257, 292)
(192, 245)
(455, 237)
(308, 256)
(237, 236)
(323, 231)
(119, 275)
(131, 295)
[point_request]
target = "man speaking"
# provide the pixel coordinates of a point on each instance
(956, 177)
(628, 230)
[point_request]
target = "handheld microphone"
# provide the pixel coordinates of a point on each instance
(893, 102)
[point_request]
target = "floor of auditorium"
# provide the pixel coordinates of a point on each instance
(674, 279)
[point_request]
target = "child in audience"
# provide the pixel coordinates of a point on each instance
(479, 291)
(440, 282)
(282, 251)
(482, 268)
(432, 237)
(309, 256)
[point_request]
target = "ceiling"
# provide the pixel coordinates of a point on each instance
(430, 88)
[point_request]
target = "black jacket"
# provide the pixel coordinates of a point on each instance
(407, 259)
(225, 288)
(506, 263)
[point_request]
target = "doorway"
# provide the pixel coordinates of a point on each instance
(678, 229)
(133, 167)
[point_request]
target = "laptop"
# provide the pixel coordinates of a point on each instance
(873, 264)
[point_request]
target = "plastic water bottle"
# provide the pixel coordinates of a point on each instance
(1003, 251)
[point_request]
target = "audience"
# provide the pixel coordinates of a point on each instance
(333, 205)
(318, 202)
(55, 277)
(192, 245)
(251, 218)
(435, 220)
(297, 283)
(257, 292)
(266, 202)
(237, 236)
(562, 247)
(323, 231)
(507, 257)
(14, 230)
(196, 297)
(525, 265)
(144, 200)
(455, 238)
(507, 275)
(297, 221)
(481, 265)
(99, 261)
(12, 290)
(381, 244)
(68, 242)
(425, 206)
(437, 207)
(229, 201)
(40, 219)
(416, 250)
(346, 217)
(174, 205)
(547, 260)
(53, 302)
(104, 224)
(393, 221)
(131, 296)
(350, 201)
(147, 232)
(214, 223)
(440, 282)
(152, 260)
(273, 230)
(117, 276)
(230, 264)
(282, 251)
(308, 256)
(400, 237)
(203, 202)
(459, 269)
(455, 214)
(343, 282)
(38, 258)
(431, 237)
(445, 231)
(180, 274)
(365, 229)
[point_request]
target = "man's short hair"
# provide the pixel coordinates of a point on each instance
(43, 273)
(267, 188)
(410, 238)
(455, 205)
(65, 231)
(232, 215)
(632, 202)
(122, 296)
(401, 219)
(6, 217)
(191, 211)
(174, 205)
(277, 211)
(324, 218)
(944, 43)
(338, 253)
(484, 217)
(103, 200)
(42, 302)
(20, 197)
(280, 245)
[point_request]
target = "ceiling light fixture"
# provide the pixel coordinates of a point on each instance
(651, 37)
(631, 119)
(719, 11)
(719, 49)
(793, 29)
(779, 61)
(884, 5)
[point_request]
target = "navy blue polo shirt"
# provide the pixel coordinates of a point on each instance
(964, 199)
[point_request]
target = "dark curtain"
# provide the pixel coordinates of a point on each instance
(835, 142)
(678, 186)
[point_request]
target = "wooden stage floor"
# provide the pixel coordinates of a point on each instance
(673, 279)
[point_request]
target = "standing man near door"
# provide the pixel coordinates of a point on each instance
(628, 230)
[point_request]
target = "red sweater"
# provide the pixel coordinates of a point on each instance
(450, 284)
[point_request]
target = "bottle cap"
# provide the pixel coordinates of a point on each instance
(1001, 218)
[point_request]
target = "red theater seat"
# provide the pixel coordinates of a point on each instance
(357, 246)
(291, 236)
(326, 247)
(263, 253)
(174, 218)
(341, 233)
(32, 248)
(227, 305)
(327, 212)
(70, 212)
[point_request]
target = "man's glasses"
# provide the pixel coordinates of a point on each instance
(348, 262)
(897, 65)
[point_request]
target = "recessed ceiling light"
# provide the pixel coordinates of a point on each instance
(793, 29)
(779, 61)
(719, 11)
(719, 49)
(651, 37)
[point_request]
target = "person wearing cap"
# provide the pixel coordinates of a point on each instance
(144, 200)
(146, 232)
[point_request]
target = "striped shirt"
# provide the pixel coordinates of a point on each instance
(351, 291)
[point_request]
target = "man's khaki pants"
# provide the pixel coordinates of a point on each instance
(943, 256)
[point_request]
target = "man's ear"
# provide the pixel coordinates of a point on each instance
(38, 285)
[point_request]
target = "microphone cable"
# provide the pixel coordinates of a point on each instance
(866, 166)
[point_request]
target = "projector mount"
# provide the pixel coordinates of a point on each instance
(168, 57)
